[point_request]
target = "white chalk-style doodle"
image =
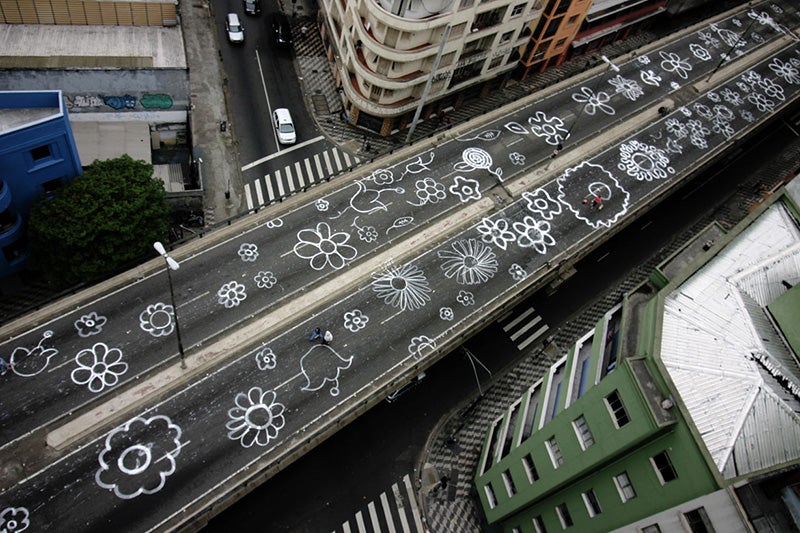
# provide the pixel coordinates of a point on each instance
(417, 166)
(747, 115)
(257, 417)
(708, 39)
(465, 298)
(751, 77)
(248, 252)
(650, 78)
(400, 222)
(275, 223)
(698, 133)
(355, 320)
(588, 181)
(672, 62)
(469, 261)
(789, 72)
(761, 102)
(675, 127)
(643, 60)
(534, 234)
(673, 146)
(776, 8)
(628, 88)
(496, 232)
(703, 110)
(772, 89)
(266, 359)
(730, 38)
(98, 367)
(265, 279)
(231, 294)
(90, 324)
(139, 456)
(551, 129)
(322, 364)
(419, 344)
(14, 520)
(474, 158)
(731, 96)
(322, 205)
(324, 247)
(367, 200)
(657, 135)
(157, 319)
(643, 161)
(757, 38)
(700, 52)
(714, 97)
(27, 362)
(382, 176)
(517, 272)
(592, 102)
(446, 313)
(486, 135)
(541, 203)
(685, 111)
(516, 158)
(765, 19)
(428, 190)
(365, 233)
(466, 189)
(517, 128)
(405, 287)
(721, 117)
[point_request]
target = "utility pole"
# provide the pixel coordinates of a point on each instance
(428, 84)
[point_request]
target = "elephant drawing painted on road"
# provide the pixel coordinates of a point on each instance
(321, 364)
(367, 200)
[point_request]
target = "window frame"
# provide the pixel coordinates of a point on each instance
(591, 502)
(657, 468)
(621, 489)
(554, 451)
(585, 438)
(564, 516)
(615, 413)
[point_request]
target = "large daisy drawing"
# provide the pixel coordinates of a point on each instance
(403, 286)
(257, 417)
(469, 261)
(324, 247)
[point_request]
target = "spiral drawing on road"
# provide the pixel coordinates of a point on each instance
(474, 158)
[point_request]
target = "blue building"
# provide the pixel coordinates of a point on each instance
(37, 154)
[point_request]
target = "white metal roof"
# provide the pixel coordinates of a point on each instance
(734, 374)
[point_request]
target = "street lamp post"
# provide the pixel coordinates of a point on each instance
(172, 265)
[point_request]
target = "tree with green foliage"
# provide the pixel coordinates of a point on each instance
(99, 223)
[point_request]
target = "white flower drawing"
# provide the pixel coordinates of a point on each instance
(14, 520)
(650, 78)
(256, 419)
(382, 176)
(698, 133)
(99, 367)
(714, 97)
(355, 320)
(699, 52)
(322, 204)
(731, 96)
(551, 129)
(534, 234)
(248, 252)
(592, 102)
(672, 62)
(761, 102)
(496, 232)
(676, 127)
(419, 344)
(541, 203)
(266, 359)
(643, 60)
(628, 88)
(708, 39)
(772, 89)
(368, 233)
(231, 294)
(90, 324)
(643, 161)
(787, 71)
(324, 247)
(157, 319)
(465, 298)
(516, 158)
(747, 115)
(265, 279)
(403, 286)
(466, 189)
(446, 313)
(751, 77)
(275, 223)
(517, 272)
(764, 18)
(428, 190)
(138, 456)
(470, 261)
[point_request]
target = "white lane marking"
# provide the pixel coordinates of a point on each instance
(346, 159)
(527, 326)
(290, 179)
(279, 181)
(517, 320)
(266, 97)
(345, 527)
(336, 157)
(360, 523)
(328, 162)
(413, 500)
(284, 151)
(320, 175)
(270, 192)
(247, 196)
(299, 172)
(259, 194)
(387, 512)
(311, 179)
(538, 333)
(373, 517)
(401, 508)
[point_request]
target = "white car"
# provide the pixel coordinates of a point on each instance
(284, 127)
(234, 28)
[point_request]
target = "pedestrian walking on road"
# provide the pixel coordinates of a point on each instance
(4, 366)
(327, 338)
(597, 202)
(316, 334)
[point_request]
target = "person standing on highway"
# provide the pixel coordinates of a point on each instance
(327, 338)
(4, 366)
(316, 334)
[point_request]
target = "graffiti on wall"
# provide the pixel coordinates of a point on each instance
(119, 102)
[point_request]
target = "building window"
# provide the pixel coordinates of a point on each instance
(560, 43)
(583, 432)
(42, 152)
(698, 521)
(573, 19)
(51, 185)
(492, 499)
(592, 505)
(555, 452)
(506, 37)
(530, 468)
(518, 9)
(563, 515)
(516, 530)
(652, 528)
(496, 62)
(509, 483)
(663, 467)
(624, 487)
(614, 403)
(538, 524)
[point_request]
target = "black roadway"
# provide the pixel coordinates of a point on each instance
(241, 416)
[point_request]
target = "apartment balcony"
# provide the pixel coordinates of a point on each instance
(365, 71)
(418, 53)
(407, 24)
(363, 102)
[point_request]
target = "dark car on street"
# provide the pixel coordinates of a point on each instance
(281, 30)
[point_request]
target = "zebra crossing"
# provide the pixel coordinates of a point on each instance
(394, 513)
(523, 326)
(297, 176)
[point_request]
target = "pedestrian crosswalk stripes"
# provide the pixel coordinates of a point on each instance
(297, 176)
(395, 512)
(523, 326)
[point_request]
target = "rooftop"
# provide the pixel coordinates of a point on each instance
(20, 109)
